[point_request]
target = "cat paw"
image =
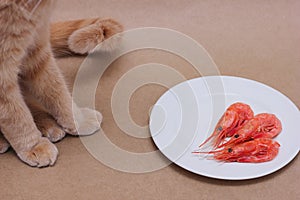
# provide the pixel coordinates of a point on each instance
(54, 133)
(67, 125)
(87, 121)
(49, 127)
(85, 40)
(43, 154)
(4, 145)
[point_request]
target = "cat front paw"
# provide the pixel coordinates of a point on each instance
(43, 154)
(49, 128)
(88, 121)
(53, 132)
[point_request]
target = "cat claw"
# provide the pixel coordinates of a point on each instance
(4, 145)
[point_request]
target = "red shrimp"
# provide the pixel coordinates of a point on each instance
(270, 126)
(232, 120)
(261, 126)
(254, 151)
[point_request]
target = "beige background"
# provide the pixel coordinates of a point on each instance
(259, 40)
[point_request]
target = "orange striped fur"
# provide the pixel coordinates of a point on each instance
(35, 105)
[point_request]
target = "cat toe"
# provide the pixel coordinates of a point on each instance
(54, 133)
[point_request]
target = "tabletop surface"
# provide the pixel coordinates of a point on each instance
(258, 40)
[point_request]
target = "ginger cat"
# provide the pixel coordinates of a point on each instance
(35, 105)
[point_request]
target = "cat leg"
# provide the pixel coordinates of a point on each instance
(44, 121)
(16, 121)
(45, 82)
(17, 124)
(82, 36)
(4, 145)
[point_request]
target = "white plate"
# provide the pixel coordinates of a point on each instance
(187, 113)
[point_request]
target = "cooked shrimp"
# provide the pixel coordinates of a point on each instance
(232, 120)
(254, 151)
(270, 126)
(261, 126)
